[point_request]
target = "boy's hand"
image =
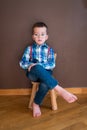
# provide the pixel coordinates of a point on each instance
(31, 66)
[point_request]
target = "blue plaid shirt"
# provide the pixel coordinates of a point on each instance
(40, 55)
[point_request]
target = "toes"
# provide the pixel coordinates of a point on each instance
(36, 114)
(72, 99)
(36, 110)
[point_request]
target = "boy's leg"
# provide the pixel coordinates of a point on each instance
(43, 75)
(47, 79)
(40, 73)
(32, 76)
(42, 91)
(43, 87)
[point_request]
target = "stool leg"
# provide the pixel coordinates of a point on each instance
(33, 92)
(53, 99)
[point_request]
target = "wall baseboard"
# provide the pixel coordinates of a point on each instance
(28, 91)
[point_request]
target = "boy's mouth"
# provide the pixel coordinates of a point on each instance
(39, 40)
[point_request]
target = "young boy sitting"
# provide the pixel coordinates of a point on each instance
(39, 61)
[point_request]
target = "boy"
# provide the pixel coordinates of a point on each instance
(39, 62)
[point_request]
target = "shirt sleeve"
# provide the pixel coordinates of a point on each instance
(25, 61)
(50, 62)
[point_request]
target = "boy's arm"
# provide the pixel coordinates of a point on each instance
(25, 61)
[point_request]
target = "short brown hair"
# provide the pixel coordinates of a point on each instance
(39, 24)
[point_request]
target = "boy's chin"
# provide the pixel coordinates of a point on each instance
(40, 43)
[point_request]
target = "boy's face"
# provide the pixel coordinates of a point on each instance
(40, 35)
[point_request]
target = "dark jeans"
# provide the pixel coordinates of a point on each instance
(47, 81)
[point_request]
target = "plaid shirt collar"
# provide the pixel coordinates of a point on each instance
(42, 45)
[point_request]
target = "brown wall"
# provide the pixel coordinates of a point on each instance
(67, 22)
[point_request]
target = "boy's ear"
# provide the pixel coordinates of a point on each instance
(32, 37)
(46, 37)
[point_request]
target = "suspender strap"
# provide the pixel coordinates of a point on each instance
(48, 51)
(30, 52)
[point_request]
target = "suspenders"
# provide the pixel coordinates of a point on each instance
(30, 52)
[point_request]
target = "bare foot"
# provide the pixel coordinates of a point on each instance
(69, 97)
(36, 110)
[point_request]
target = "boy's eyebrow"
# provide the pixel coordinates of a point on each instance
(39, 33)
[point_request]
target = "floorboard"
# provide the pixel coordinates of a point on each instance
(15, 115)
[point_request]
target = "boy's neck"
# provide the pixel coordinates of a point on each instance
(40, 44)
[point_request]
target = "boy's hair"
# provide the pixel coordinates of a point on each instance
(39, 24)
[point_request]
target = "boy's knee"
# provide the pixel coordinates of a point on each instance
(37, 67)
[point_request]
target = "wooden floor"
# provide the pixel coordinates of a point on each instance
(15, 115)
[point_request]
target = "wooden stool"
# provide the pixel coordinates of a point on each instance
(53, 95)
(52, 92)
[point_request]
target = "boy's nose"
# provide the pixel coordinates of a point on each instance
(39, 35)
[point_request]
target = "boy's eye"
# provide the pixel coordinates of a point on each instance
(37, 35)
(43, 34)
